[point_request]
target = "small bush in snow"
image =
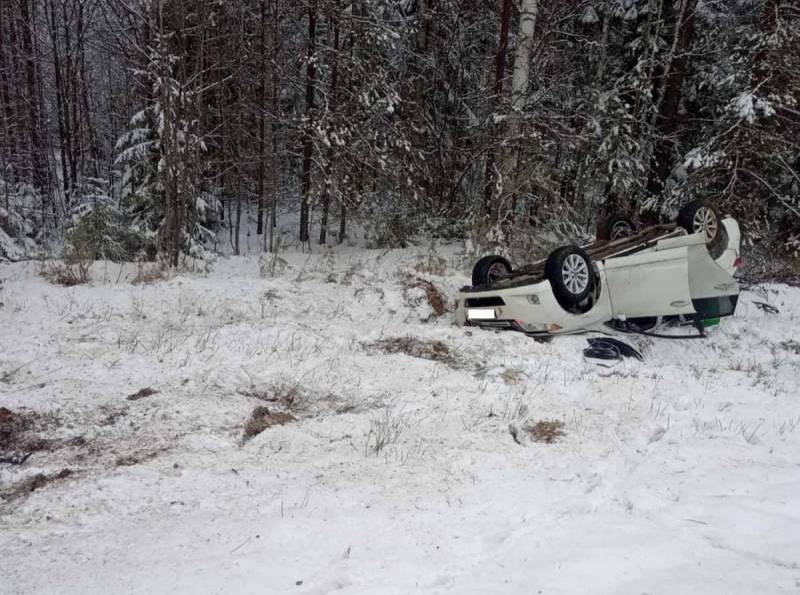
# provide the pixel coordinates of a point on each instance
(791, 345)
(100, 229)
(432, 265)
(272, 265)
(287, 395)
(432, 295)
(67, 274)
(100, 234)
(384, 430)
(21, 220)
(149, 273)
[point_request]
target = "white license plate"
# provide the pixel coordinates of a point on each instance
(483, 314)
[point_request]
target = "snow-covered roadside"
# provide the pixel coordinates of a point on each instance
(678, 474)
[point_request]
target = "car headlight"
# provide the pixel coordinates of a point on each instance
(533, 299)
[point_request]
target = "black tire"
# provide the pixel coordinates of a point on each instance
(614, 227)
(698, 216)
(571, 274)
(489, 269)
(719, 246)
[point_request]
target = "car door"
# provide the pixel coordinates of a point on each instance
(654, 282)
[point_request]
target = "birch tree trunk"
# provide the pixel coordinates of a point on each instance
(522, 59)
(519, 93)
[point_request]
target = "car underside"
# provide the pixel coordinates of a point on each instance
(630, 282)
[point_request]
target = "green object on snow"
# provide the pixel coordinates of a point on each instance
(710, 322)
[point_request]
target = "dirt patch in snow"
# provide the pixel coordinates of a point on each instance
(19, 431)
(262, 418)
(142, 394)
(547, 431)
(29, 485)
(10, 424)
(424, 349)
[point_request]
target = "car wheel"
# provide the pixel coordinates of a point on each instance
(571, 274)
(489, 269)
(720, 244)
(615, 227)
(699, 216)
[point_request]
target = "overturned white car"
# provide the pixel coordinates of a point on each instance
(626, 280)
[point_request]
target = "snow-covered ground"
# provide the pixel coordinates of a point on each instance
(679, 474)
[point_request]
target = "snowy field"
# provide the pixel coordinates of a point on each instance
(396, 470)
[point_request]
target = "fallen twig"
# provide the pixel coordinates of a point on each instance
(765, 307)
(16, 459)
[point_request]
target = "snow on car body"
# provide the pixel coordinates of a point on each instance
(659, 272)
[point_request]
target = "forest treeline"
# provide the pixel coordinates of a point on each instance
(139, 127)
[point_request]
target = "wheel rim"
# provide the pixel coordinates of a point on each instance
(705, 220)
(575, 272)
(496, 271)
(621, 229)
